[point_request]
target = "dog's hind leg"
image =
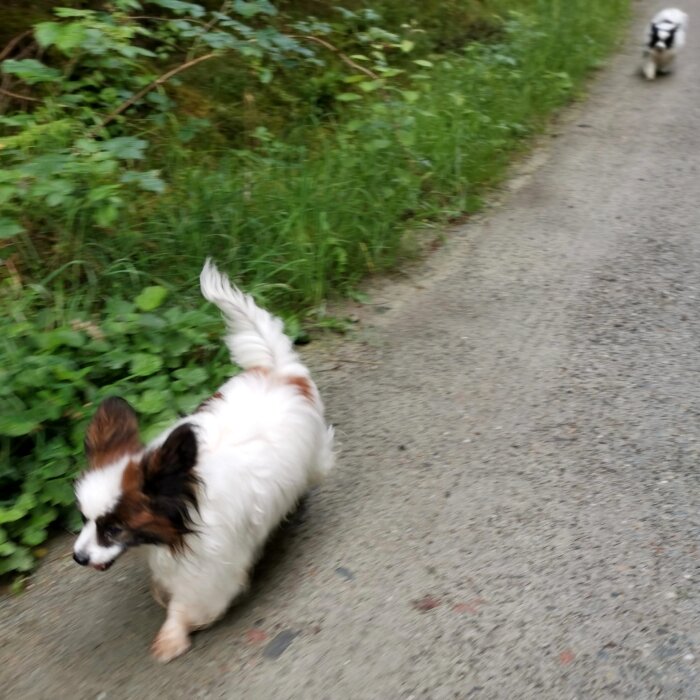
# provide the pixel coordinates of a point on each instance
(649, 68)
(666, 67)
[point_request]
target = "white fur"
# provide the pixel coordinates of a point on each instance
(88, 545)
(658, 58)
(260, 447)
(98, 490)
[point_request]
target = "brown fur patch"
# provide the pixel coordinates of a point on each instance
(112, 434)
(206, 404)
(156, 494)
(263, 371)
(135, 515)
(303, 385)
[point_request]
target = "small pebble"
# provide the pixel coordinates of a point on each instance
(279, 644)
(345, 573)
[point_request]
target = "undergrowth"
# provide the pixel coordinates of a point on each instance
(300, 176)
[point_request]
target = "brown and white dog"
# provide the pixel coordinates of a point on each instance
(205, 494)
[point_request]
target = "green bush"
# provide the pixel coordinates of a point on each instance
(307, 215)
(54, 372)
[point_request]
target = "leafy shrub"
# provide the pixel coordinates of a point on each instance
(99, 94)
(52, 376)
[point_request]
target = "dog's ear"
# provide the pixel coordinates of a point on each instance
(167, 471)
(671, 37)
(170, 484)
(112, 433)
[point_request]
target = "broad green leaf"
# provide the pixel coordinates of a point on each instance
(371, 85)
(180, 8)
(255, 7)
(152, 401)
(31, 71)
(149, 180)
(221, 40)
(106, 215)
(126, 147)
(348, 97)
(144, 364)
(70, 12)
(186, 403)
(379, 144)
(12, 514)
(20, 560)
(34, 535)
(192, 376)
(9, 227)
(65, 37)
(46, 33)
(152, 322)
(151, 298)
(51, 340)
(17, 425)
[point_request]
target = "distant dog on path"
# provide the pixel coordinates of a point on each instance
(665, 38)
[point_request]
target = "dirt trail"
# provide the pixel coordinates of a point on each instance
(515, 512)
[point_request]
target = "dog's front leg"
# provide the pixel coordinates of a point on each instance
(173, 638)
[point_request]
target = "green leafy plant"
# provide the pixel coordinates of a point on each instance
(164, 361)
(97, 93)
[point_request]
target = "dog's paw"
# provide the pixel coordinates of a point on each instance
(170, 643)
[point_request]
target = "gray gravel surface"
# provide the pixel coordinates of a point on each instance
(515, 509)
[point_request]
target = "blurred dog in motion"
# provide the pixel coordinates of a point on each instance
(206, 493)
(665, 38)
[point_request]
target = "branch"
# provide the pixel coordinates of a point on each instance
(17, 96)
(345, 59)
(144, 91)
(10, 47)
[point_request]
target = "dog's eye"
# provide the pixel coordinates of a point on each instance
(113, 531)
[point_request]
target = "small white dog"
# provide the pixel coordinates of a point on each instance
(665, 38)
(208, 491)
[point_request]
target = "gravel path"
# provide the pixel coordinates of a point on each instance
(515, 512)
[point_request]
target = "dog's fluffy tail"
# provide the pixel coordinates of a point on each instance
(255, 337)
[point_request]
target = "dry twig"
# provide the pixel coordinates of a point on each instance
(144, 91)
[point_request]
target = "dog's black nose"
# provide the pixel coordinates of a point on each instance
(81, 559)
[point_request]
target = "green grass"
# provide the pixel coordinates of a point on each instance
(306, 213)
(307, 217)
